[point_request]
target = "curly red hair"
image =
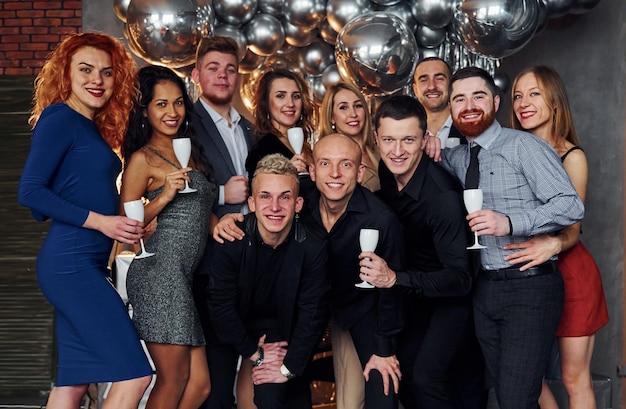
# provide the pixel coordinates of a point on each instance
(53, 84)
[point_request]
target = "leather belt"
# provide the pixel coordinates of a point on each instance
(513, 273)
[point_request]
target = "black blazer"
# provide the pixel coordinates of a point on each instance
(302, 289)
(216, 151)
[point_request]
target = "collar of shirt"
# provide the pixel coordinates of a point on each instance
(487, 138)
(234, 115)
(444, 131)
(413, 188)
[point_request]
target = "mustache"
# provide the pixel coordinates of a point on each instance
(471, 111)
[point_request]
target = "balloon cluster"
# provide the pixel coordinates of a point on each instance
(373, 43)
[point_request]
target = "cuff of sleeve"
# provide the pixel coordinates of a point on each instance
(510, 226)
(221, 199)
(403, 279)
(383, 347)
(248, 350)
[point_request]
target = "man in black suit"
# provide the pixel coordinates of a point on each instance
(268, 292)
(226, 138)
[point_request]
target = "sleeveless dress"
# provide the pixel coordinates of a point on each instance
(584, 310)
(160, 287)
(71, 170)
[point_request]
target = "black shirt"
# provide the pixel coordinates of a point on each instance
(430, 208)
(349, 303)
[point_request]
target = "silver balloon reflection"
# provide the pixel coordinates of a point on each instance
(339, 12)
(495, 28)
(265, 34)
(502, 81)
(430, 37)
(583, 6)
(402, 10)
(377, 52)
(330, 76)
(305, 13)
(315, 57)
(235, 12)
(226, 30)
(558, 8)
(327, 33)
(296, 35)
(274, 8)
(121, 8)
(432, 13)
(250, 62)
(317, 88)
(166, 32)
(386, 2)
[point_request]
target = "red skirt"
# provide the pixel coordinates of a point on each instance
(584, 311)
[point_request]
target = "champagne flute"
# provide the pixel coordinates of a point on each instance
(473, 199)
(134, 210)
(296, 140)
(368, 239)
(182, 150)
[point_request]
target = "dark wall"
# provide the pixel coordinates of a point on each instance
(589, 52)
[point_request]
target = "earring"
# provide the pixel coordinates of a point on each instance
(299, 232)
(186, 127)
(333, 126)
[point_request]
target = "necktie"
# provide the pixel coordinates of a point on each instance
(471, 177)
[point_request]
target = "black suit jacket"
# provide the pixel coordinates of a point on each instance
(216, 151)
(302, 289)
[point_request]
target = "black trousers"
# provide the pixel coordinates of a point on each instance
(439, 356)
(363, 337)
(516, 322)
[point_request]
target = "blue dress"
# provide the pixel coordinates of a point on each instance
(71, 170)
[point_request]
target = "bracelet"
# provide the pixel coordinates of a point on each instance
(510, 226)
(259, 359)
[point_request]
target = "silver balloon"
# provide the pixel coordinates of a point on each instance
(494, 28)
(287, 50)
(265, 34)
(317, 88)
(274, 8)
(165, 32)
(432, 13)
(377, 52)
(330, 76)
(296, 35)
(542, 16)
(250, 62)
(386, 2)
(206, 15)
(583, 6)
(315, 57)
(502, 81)
(402, 10)
(339, 12)
(558, 8)
(235, 12)
(305, 13)
(121, 8)
(327, 33)
(430, 37)
(234, 32)
(427, 52)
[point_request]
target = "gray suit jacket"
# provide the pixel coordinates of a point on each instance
(216, 151)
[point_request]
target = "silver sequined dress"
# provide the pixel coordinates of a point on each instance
(159, 287)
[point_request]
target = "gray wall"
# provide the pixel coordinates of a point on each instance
(590, 54)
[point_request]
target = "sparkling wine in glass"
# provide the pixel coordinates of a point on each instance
(182, 150)
(473, 199)
(368, 239)
(296, 140)
(134, 210)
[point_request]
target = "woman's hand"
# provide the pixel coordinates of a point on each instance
(227, 228)
(175, 182)
(120, 228)
(300, 163)
(533, 252)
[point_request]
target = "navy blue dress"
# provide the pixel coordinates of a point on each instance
(71, 170)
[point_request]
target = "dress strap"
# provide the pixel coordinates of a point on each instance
(164, 158)
(569, 151)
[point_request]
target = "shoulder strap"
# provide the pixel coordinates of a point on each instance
(160, 156)
(569, 151)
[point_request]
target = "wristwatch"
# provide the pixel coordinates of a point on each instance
(259, 359)
(286, 372)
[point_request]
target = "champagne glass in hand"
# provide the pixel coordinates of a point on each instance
(296, 140)
(473, 199)
(182, 150)
(368, 239)
(134, 210)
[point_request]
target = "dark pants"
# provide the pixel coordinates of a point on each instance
(363, 337)
(437, 373)
(294, 394)
(516, 322)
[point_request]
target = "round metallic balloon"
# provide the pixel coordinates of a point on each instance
(250, 62)
(402, 10)
(386, 2)
(542, 16)
(339, 12)
(296, 35)
(121, 8)
(315, 57)
(432, 13)
(265, 34)
(495, 32)
(430, 37)
(317, 88)
(235, 12)
(558, 8)
(327, 33)
(330, 76)
(305, 13)
(165, 32)
(274, 8)
(583, 6)
(234, 32)
(502, 81)
(377, 52)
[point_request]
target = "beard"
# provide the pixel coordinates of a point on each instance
(473, 129)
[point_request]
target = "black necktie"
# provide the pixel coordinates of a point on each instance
(471, 177)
